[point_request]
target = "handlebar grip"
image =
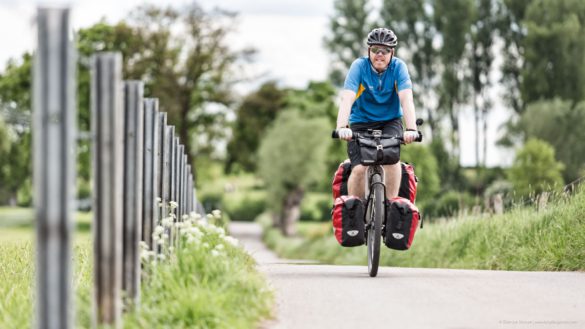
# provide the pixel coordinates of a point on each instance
(420, 137)
(334, 134)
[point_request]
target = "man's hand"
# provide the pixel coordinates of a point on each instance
(410, 136)
(344, 133)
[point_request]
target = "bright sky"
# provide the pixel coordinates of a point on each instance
(294, 55)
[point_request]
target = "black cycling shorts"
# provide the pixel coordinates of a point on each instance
(392, 128)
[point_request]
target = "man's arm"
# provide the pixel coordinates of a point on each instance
(407, 103)
(346, 101)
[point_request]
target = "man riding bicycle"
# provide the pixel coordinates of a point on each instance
(377, 94)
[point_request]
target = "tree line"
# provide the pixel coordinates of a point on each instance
(451, 46)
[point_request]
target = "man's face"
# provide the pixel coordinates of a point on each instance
(380, 56)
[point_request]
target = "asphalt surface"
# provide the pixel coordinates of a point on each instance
(310, 295)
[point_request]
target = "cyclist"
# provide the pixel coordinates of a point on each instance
(377, 94)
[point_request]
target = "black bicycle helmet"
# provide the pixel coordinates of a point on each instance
(382, 36)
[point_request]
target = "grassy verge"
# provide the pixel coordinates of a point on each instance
(207, 283)
(552, 239)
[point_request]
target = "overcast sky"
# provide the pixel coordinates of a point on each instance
(294, 55)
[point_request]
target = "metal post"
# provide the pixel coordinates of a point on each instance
(164, 166)
(54, 157)
(151, 169)
(184, 184)
(171, 174)
(189, 189)
(108, 165)
(180, 182)
(172, 165)
(133, 159)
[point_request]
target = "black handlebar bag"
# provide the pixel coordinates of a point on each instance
(379, 151)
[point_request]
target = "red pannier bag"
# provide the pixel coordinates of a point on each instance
(339, 185)
(408, 183)
(348, 221)
(402, 219)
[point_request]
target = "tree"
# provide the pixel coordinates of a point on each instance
(511, 14)
(349, 27)
(15, 108)
(453, 21)
(253, 116)
(482, 33)
(413, 23)
(560, 124)
(189, 72)
(554, 48)
(535, 169)
(291, 160)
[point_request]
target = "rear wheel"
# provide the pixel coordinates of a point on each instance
(375, 213)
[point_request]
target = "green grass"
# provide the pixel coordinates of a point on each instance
(195, 289)
(552, 239)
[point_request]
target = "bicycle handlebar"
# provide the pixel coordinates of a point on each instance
(355, 135)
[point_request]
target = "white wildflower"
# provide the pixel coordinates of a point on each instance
(205, 245)
(185, 217)
(173, 204)
(167, 221)
(159, 230)
(219, 247)
(231, 240)
(165, 236)
(171, 248)
(215, 253)
(161, 257)
(143, 245)
(216, 213)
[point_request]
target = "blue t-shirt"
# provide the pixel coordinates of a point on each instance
(376, 93)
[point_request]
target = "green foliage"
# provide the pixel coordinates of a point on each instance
(316, 207)
(254, 115)
(448, 204)
(245, 206)
(425, 168)
(554, 47)
(317, 101)
(292, 155)
(449, 169)
(535, 169)
(196, 286)
(15, 111)
(558, 123)
(349, 27)
(182, 70)
(524, 239)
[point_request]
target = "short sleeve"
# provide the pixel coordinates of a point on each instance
(403, 77)
(352, 80)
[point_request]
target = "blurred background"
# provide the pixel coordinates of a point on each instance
(252, 87)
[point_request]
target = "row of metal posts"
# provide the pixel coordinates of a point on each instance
(136, 159)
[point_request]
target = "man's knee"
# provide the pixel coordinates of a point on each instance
(358, 170)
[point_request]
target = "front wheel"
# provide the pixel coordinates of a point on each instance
(375, 215)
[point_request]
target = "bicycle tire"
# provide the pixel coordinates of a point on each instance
(375, 213)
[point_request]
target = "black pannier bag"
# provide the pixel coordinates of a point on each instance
(348, 221)
(402, 218)
(340, 178)
(408, 183)
(379, 151)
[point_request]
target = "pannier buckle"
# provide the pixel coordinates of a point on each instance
(380, 147)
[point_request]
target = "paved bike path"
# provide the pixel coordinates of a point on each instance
(324, 296)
